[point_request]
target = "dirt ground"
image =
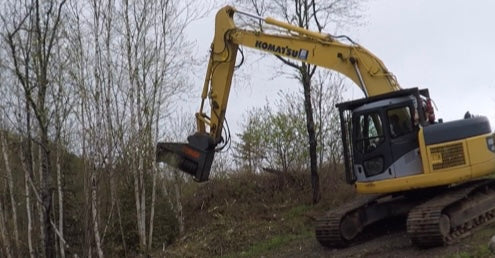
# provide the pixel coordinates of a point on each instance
(392, 242)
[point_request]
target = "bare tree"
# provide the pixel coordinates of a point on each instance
(113, 69)
(308, 14)
(128, 67)
(155, 73)
(79, 73)
(32, 31)
(62, 100)
(91, 71)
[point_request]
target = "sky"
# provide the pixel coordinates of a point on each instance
(442, 45)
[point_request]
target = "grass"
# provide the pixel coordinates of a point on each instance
(477, 244)
(481, 251)
(292, 225)
(297, 211)
(274, 243)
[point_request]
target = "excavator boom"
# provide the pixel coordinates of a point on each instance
(300, 45)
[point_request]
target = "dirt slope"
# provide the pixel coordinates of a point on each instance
(250, 215)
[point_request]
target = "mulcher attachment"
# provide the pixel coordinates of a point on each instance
(194, 157)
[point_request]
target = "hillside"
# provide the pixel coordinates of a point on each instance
(268, 215)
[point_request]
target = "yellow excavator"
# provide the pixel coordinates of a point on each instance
(404, 161)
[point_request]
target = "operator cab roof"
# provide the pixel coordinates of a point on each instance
(389, 102)
(383, 99)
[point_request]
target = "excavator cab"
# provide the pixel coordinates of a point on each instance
(194, 157)
(380, 135)
(392, 143)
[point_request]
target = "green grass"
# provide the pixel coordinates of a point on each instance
(274, 243)
(479, 251)
(477, 244)
(293, 222)
(297, 211)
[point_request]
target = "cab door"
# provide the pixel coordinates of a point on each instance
(403, 131)
(371, 150)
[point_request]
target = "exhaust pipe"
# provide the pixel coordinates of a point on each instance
(194, 157)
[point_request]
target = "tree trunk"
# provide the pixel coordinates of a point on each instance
(124, 246)
(310, 125)
(143, 206)
(50, 221)
(137, 197)
(39, 206)
(3, 232)
(88, 232)
(178, 201)
(10, 181)
(28, 212)
(141, 149)
(26, 165)
(152, 206)
(94, 213)
(46, 198)
(60, 204)
(46, 195)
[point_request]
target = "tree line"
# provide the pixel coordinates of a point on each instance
(88, 88)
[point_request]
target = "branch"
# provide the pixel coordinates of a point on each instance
(313, 70)
(16, 28)
(9, 38)
(320, 28)
(287, 62)
(55, 27)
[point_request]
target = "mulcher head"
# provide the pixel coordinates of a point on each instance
(194, 157)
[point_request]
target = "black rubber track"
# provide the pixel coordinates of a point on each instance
(424, 222)
(328, 227)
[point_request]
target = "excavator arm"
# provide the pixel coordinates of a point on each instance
(298, 44)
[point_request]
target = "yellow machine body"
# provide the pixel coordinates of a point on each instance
(443, 164)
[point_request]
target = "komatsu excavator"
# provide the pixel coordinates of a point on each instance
(395, 153)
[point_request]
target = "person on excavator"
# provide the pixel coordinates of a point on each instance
(395, 129)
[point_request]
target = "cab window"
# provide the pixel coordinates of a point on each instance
(400, 122)
(370, 132)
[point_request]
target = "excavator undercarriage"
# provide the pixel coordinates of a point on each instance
(435, 217)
